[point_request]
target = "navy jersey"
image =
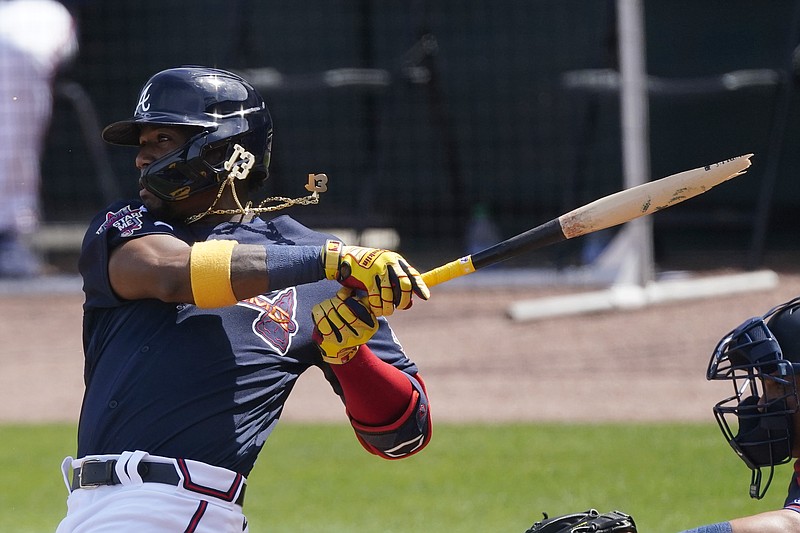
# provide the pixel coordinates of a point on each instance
(204, 384)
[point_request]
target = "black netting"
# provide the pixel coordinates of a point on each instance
(458, 107)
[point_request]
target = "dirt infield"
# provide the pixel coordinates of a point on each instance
(644, 364)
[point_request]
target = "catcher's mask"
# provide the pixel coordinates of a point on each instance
(758, 420)
(223, 109)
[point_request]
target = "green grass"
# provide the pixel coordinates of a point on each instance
(471, 478)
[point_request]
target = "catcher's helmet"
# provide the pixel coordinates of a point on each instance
(761, 357)
(223, 108)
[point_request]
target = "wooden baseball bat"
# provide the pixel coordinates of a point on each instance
(603, 213)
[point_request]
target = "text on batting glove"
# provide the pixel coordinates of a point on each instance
(389, 281)
(341, 325)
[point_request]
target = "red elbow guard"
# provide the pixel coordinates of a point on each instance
(407, 435)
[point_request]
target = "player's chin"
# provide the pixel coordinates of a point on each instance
(154, 204)
(150, 200)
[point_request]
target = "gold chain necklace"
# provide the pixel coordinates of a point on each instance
(239, 166)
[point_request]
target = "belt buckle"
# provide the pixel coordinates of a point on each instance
(82, 484)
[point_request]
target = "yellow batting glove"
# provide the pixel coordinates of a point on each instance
(387, 278)
(341, 325)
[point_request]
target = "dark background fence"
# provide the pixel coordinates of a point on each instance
(504, 104)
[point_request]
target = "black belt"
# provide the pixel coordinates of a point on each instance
(93, 474)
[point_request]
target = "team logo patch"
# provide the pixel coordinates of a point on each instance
(127, 221)
(275, 323)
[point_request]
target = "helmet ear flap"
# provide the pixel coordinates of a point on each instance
(215, 156)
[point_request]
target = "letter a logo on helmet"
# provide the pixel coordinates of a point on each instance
(143, 98)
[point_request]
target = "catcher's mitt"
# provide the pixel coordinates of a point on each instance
(585, 522)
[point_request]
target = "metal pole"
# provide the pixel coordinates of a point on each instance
(635, 128)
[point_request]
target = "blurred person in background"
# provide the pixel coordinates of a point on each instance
(37, 37)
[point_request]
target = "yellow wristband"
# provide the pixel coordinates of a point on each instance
(210, 266)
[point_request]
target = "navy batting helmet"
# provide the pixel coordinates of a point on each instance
(762, 359)
(224, 109)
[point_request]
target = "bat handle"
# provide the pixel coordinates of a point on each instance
(453, 269)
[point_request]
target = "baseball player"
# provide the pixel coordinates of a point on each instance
(200, 316)
(761, 420)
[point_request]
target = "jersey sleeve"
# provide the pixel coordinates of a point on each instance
(115, 225)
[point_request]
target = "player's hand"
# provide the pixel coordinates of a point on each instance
(389, 281)
(341, 325)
